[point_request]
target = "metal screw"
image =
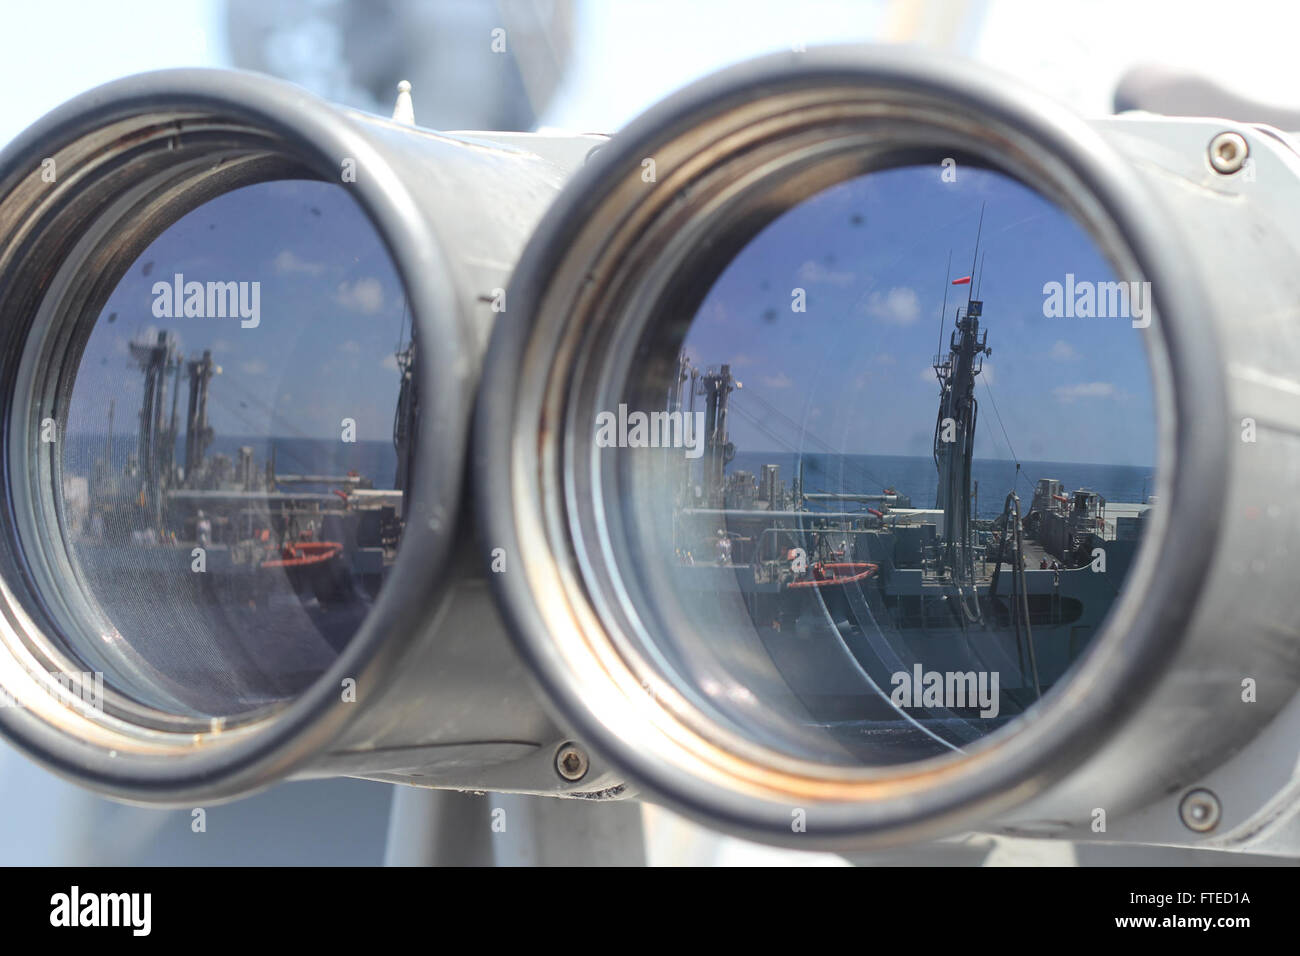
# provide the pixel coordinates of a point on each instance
(1228, 152)
(571, 762)
(1200, 811)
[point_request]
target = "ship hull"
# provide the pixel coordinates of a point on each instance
(840, 654)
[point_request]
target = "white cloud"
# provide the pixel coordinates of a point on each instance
(716, 312)
(389, 362)
(884, 358)
(286, 263)
(364, 295)
(1084, 390)
(898, 306)
(350, 347)
(1063, 351)
(814, 272)
(779, 380)
(253, 367)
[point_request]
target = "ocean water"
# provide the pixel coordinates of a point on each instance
(919, 479)
(866, 474)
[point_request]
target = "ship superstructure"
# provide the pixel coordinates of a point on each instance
(848, 587)
(328, 536)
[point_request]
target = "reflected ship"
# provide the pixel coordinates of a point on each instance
(847, 589)
(254, 532)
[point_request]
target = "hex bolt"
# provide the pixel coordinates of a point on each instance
(1228, 152)
(1200, 810)
(571, 762)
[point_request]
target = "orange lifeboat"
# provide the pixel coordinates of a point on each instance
(305, 554)
(832, 574)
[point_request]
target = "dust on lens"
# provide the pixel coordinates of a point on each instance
(891, 477)
(237, 440)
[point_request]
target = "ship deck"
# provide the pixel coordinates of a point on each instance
(1035, 555)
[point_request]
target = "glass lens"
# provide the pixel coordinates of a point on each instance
(880, 492)
(235, 444)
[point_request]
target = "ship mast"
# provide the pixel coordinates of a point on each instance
(954, 434)
(156, 439)
(198, 433)
(404, 418)
(718, 449)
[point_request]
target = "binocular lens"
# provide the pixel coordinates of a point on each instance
(879, 491)
(229, 474)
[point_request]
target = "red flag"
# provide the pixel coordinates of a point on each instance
(964, 280)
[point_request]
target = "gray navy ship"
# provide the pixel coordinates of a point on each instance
(845, 590)
(141, 523)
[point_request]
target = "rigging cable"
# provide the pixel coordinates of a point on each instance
(804, 432)
(998, 415)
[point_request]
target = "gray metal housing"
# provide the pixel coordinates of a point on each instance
(441, 697)
(1196, 726)
(1156, 703)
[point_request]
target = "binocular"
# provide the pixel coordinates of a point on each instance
(857, 448)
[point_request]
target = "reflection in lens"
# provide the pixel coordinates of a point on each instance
(232, 471)
(910, 471)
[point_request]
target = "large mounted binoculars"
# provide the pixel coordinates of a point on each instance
(855, 449)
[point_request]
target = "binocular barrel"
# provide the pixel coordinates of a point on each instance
(855, 449)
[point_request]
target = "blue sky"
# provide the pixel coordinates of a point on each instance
(331, 316)
(854, 369)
